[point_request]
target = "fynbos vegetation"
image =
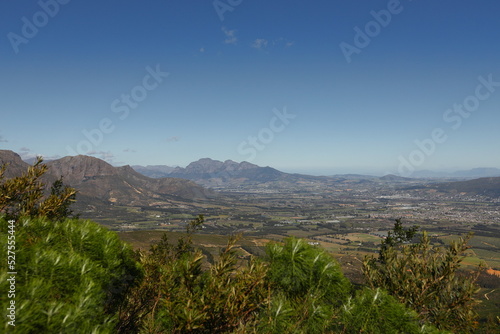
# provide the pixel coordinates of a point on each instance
(23, 196)
(425, 278)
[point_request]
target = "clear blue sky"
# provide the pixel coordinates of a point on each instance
(289, 84)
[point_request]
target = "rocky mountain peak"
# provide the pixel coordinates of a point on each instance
(205, 165)
(16, 166)
(80, 167)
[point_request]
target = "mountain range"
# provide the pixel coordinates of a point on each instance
(99, 183)
(465, 174)
(213, 167)
(154, 171)
(486, 186)
(214, 174)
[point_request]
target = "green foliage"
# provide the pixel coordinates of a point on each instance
(185, 244)
(397, 236)
(77, 277)
(72, 276)
(309, 294)
(60, 199)
(425, 278)
(297, 289)
(299, 270)
(179, 296)
(23, 196)
(307, 286)
(375, 311)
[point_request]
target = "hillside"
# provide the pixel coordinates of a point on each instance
(486, 186)
(474, 173)
(214, 173)
(15, 165)
(99, 183)
(154, 171)
(394, 178)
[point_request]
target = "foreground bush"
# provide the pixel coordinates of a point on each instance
(308, 288)
(310, 294)
(296, 288)
(77, 277)
(26, 195)
(425, 278)
(71, 276)
(375, 311)
(179, 295)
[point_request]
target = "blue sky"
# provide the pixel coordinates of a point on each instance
(322, 87)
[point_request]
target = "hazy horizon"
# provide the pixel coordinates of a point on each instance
(367, 87)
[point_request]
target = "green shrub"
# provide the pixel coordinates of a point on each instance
(71, 276)
(180, 295)
(24, 196)
(310, 294)
(300, 270)
(307, 286)
(376, 312)
(425, 278)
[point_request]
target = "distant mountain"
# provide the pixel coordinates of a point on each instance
(478, 173)
(214, 173)
(100, 183)
(354, 176)
(486, 186)
(394, 178)
(154, 171)
(15, 165)
(430, 174)
(463, 174)
(32, 160)
(213, 168)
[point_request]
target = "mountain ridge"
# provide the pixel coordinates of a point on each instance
(98, 182)
(472, 173)
(486, 186)
(215, 173)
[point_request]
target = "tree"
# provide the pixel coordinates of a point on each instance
(396, 237)
(23, 196)
(177, 295)
(426, 278)
(56, 206)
